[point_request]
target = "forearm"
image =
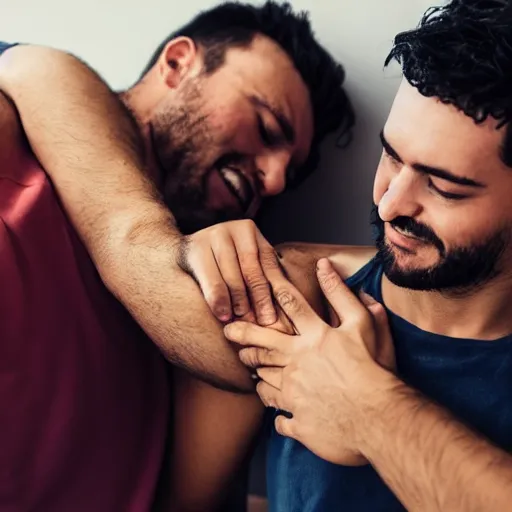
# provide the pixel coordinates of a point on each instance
(429, 459)
(90, 147)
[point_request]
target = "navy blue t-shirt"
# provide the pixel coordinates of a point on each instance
(471, 378)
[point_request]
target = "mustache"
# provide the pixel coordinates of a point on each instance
(417, 229)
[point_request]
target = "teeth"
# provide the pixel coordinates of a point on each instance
(404, 232)
(235, 180)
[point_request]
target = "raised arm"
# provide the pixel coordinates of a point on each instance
(88, 144)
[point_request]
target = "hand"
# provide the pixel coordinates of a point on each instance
(229, 261)
(326, 377)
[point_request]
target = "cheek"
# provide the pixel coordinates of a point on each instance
(464, 226)
(233, 127)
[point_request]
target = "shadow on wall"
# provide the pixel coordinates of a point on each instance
(333, 205)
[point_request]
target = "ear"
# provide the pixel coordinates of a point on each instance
(178, 59)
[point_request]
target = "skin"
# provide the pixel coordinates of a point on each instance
(344, 398)
(234, 110)
(467, 314)
(131, 236)
(422, 130)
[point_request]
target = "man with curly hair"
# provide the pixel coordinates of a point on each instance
(430, 428)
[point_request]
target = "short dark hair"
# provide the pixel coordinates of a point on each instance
(234, 24)
(461, 53)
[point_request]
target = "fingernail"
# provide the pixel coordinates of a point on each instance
(224, 315)
(239, 310)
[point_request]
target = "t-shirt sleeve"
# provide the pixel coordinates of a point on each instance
(5, 46)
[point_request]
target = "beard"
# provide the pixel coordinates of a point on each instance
(181, 138)
(458, 270)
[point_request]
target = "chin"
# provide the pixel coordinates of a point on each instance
(421, 259)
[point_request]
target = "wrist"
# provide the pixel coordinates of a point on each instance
(381, 393)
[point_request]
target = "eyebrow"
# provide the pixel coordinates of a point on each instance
(282, 120)
(433, 171)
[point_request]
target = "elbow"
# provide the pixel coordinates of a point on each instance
(30, 62)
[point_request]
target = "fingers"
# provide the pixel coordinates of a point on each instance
(295, 307)
(227, 262)
(272, 376)
(207, 274)
(253, 252)
(254, 335)
(285, 426)
(346, 305)
(257, 357)
(270, 396)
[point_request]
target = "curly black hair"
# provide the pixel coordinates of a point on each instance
(234, 24)
(461, 53)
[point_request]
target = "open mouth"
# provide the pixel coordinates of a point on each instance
(238, 184)
(407, 234)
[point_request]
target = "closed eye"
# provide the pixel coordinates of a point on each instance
(392, 158)
(269, 138)
(447, 195)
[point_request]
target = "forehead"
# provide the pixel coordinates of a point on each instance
(427, 131)
(264, 69)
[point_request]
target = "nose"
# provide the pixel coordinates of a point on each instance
(399, 199)
(272, 169)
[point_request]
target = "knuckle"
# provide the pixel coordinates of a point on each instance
(250, 357)
(330, 281)
(268, 258)
(261, 357)
(256, 280)
(358, 318)
(248, 223)
(287, 300)
(260, 300)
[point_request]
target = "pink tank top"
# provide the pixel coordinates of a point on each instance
(83, 392)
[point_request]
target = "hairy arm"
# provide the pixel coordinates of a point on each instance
(427, 457)
(91, 149)
(430, 460)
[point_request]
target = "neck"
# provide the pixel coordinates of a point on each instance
(484, 313)
(140, 108)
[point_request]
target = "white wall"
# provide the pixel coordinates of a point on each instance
(117, 37)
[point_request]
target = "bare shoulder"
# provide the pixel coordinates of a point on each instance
(301, 258)
(299, 262)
